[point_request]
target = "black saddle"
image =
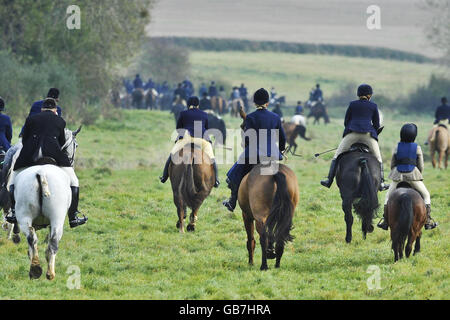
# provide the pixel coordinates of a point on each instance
(45, 160)
(359, 147)
(405, 184)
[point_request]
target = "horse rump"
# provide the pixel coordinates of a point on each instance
(368, 203)
(404, 216)
(279, 222)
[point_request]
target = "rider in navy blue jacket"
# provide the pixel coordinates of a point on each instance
(37, 106)
(5, 128)
(255, 123)
(442, 112)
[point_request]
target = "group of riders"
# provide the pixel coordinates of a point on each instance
(42, 136)
(362, 125)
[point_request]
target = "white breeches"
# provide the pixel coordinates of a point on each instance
(419, 186)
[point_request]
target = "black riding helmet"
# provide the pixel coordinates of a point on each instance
(261, 97)
(408, 133)
(193, 101)
(364, 90)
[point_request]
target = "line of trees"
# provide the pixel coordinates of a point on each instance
(37, 50)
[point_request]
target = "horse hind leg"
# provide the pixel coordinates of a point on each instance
(263, 240)
(35, 267)
(50, 254)
(192, 220)
(251, 243)
(408, 247)
(279, 253)
(347, 208)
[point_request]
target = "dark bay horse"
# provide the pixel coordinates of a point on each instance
(268, 201)
(406, 216)
(358, 177)
(440, 142)
(319, 110)
(192, 177)
(292, 131)
(138, 99)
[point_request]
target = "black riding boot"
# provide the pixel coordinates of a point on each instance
(230, 204)
(329, 181)
(430, 224)
(216, 173)
(11, 217)
(165, 175)
(383, 186)
(75, 221)
(384, 224)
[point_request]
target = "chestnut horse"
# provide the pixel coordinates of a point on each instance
(440, 143)
(218, 104)
(268, 200)
(292, 131)
(406, 216)
(192, 177)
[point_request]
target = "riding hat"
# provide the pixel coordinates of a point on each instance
(408, 133)
(49, 103)
(193, 102)
(53, 93)
(364, 90)
(261, 97)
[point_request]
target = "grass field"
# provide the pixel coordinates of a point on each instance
(130, 248)
(293, 75)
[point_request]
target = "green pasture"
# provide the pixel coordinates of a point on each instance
(131, 249)
(293, 75)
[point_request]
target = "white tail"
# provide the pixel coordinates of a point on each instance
(44, 184)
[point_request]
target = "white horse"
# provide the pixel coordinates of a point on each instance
(43, 197)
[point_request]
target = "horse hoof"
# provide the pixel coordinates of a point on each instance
(190, 228)
(50, 276)
(16, 239)
(370, 229)
(263, 268)
(35, 272)
(348, 239)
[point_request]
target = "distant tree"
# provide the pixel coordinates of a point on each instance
(35, 32)
(438, 27)
(163, 61)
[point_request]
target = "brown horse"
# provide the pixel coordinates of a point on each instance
(218, 104)
(292, 131)
(319, 110)
(268, 201)
(406, 216)
(440, 142)
(192, 177)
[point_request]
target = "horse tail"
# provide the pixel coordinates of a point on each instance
(301, 130)
(368, 203)
(405, 220)
(279, 223)
(187, 185)
(43, 188)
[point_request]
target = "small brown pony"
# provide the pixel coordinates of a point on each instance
(268, 201)
(292, 131)
(218, 104)
(440, 143)
(192, 178)
(406, 216)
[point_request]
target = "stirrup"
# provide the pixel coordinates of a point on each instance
(383, 187)
(77, 221)
(228, 205)
(431, 225)
(383, 224)
(216, 184)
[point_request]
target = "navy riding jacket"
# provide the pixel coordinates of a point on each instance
(442, 113)
(5, 132)
(189, 119)
(362, 116)
(406, 156)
